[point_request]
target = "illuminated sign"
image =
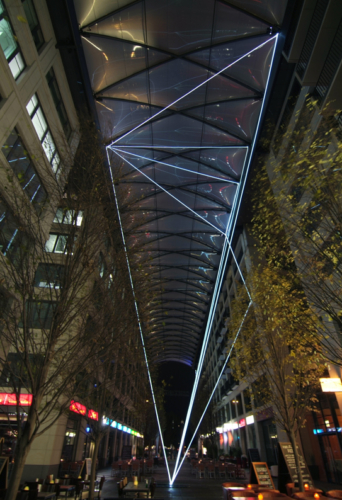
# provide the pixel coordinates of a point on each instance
(11, 399)
(242, 423)
(77, 408)
(250, 419)
(331, 384)
(119, 427)
(114, 424)
(93, 415)
(219, 430)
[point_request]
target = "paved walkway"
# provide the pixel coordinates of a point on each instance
(186, 486)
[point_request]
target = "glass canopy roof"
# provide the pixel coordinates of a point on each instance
(179, 87)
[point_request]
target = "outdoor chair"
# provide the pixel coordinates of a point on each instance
(200, 472)
(221, 470)
(211, 470)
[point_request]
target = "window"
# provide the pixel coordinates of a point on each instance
(15, 369)
(39, 314)
(9, 45)
(57, 99)
(8, 230)
(49, 276)
(21, 164)
(33, 23)
(57, 243)
(39, 122)
(65, 216)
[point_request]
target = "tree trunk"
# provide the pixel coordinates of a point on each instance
(21, 452)
(292, 438)
(93, 467)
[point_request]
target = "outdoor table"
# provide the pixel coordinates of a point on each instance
(137, 488)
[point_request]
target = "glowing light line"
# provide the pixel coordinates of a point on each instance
(175, 473)
(177, 147)
(138, 316)
(230, 228)
(193, 90)
(243, 178)
(188, 208)
(231, 181)
(214, 300)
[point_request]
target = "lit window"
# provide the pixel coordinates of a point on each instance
(57, 243)
(9, 45)
(21, 164)
(39, 122)
(64, 216)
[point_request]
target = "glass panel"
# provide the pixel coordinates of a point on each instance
(239, 118)
(173, 80)
(135, 88)
(231, 23)
(126, 24)
(131, 115)
(162, 18)
(109, 61)
(254, 68)
(49, 146)
(17, 65)
(270, 10)
(89, 10)
(33, 23)
(33, 102)
(50, 244)
(39, 123)
(7, 41)
(61, 243)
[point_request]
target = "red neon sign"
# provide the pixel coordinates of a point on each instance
(242, 423)
(11, 399)
(77, 408)
(93, 414)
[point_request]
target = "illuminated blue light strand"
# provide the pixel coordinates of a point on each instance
(230, 230)
(230, 181)
(184, 205)
(138, 317)
(230, 226)
(213, 305)
(175, 472)
(190, 91)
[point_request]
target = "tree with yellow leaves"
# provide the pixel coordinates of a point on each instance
(278, 350)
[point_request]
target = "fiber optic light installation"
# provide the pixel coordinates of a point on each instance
(123, 151)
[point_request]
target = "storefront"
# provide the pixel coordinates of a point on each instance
(324, 430)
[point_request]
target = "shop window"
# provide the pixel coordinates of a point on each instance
(9, 45)
(42, 129)
(57, 243)
(20, 162)
(32, 19)
(39, 314)
(49, 276)
(57, 99)
(233, 404)
(71, 217)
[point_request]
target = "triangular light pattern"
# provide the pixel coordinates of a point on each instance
(119, 148)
